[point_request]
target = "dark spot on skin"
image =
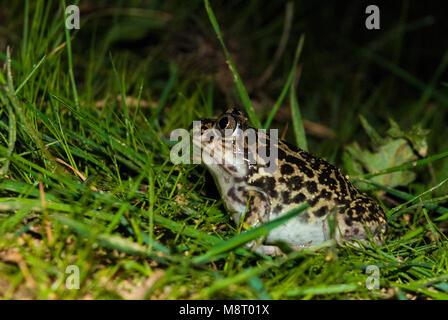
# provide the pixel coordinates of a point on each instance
(253, 211)
(308, 172)
(321, 212)
(281, 180)
(360, 209)
(281, 154)
(325, 179)
(351, 188)
(232, 194)
(343, 201)
(270, 187)
(252, 170)
(351, 213)
(342, 185)
(230, 169)
(278, 209)
(348, 221)
(311, 186)
(258, 183)
(325, 194)
(301, 165)
(239, 179)
(305, 155)
(367, 217)
(299, 198)
(285, 197)
(330, 166)
(267, 184)
(312, 202)
(291, 147)
(286, 169)
(327, 171)
(356, 231)
(315, 164)
(295, 183)
(250, 213)
(235, 112)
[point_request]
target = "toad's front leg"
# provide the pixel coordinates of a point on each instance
(257, 212)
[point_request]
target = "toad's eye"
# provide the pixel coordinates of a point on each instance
(227, 121)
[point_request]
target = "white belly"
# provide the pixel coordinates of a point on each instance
(298, 233)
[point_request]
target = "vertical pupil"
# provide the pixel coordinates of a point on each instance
(223, 123)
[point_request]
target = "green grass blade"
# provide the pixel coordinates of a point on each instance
(70, 61)
(107, 240)
(287, 85)
(239, 83)
(12, 134)
(324, 289)
(30, 74)
(297, 122)
(408, 197)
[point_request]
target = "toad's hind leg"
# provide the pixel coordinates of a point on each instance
(362, 219)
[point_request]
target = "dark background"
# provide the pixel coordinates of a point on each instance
(398, 71)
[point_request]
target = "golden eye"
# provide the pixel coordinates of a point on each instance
(227, 121)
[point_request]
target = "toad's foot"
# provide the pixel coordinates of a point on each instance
(269, 250)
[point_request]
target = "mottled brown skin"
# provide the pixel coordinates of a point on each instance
(299, 177)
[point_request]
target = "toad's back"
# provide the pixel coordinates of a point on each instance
(302, 177)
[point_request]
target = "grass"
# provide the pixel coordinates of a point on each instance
(86, 178)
